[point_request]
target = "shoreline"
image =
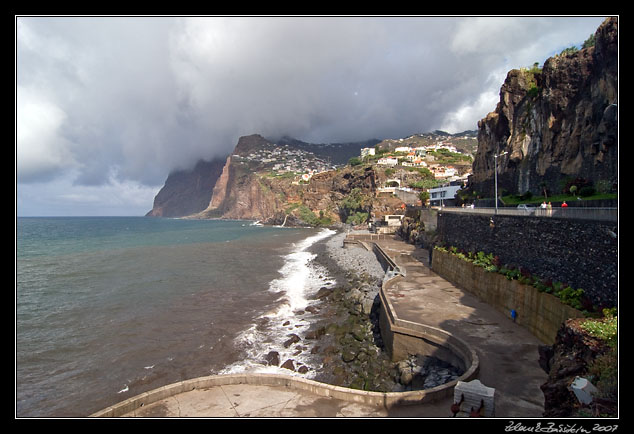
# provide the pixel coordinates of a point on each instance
(348, 336)
(325, 326)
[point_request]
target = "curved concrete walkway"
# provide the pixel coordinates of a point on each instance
(507, 355)
(263, 396)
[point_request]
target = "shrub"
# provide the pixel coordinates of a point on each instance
(357, 218)
(586, 191)
(571, 297)
(354, 161)
(603, 328)
(603, 186)
(589, 42)
(310, 218)
(568, 295)
(533, 91)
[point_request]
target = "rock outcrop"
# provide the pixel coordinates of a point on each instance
(574, 350)
(187, 191)
(556, 123)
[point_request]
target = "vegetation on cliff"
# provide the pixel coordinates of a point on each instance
(584, 348)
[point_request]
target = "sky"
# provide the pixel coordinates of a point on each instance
(107, 106)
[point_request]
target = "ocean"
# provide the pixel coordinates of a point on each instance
(110, 307)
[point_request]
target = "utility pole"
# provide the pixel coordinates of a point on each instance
(495, 158)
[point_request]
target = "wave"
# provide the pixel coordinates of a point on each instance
(300, 278)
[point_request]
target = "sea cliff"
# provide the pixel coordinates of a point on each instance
(555, 123)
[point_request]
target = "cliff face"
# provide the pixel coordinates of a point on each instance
(260, 181)
(187, 191)
(557, 123)
(240, 192)
(244, 193)
(246, 188)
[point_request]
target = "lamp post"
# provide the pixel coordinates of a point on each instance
(495, 159)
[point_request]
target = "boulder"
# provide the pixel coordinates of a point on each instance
(316, 334)
(293, 339)
(288, 365)
(272, 358)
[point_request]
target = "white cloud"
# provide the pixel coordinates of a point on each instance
(41, 152)
(462, 118)
(147, 95)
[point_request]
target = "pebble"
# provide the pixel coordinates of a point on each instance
(354, 258)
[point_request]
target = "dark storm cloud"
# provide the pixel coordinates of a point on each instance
(125, 98)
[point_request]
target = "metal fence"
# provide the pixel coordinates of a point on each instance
(584, 213)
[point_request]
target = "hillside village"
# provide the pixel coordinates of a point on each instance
(265, 179)
(282, 160)
(443, 158)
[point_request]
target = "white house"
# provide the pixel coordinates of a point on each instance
(444, 172)
(367, 151)
(388, 161)
(415, 163)
(443, 195)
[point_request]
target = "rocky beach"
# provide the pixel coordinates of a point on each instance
(344, 337)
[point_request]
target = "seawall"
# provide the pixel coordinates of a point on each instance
(581, 253)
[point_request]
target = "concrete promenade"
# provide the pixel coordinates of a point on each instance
(507, 354)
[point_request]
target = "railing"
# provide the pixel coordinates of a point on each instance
(585, 213)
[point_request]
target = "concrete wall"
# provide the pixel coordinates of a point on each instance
(582, 253)
(403, 338)
(379, 399)
(542, 314)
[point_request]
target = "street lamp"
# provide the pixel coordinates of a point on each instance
(495, 159)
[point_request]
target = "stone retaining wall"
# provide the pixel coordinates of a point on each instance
(542, 314)
(581, 253)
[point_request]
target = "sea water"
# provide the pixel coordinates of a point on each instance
(110, 307)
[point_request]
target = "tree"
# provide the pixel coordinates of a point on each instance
(589, 42)
(354, 161)
(543, 186)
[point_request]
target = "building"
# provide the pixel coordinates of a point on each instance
(388, 161)
(445, 195)
(444, 172)
(366, 152)
(388, 225)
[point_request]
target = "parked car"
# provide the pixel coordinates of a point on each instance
(528, 209)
